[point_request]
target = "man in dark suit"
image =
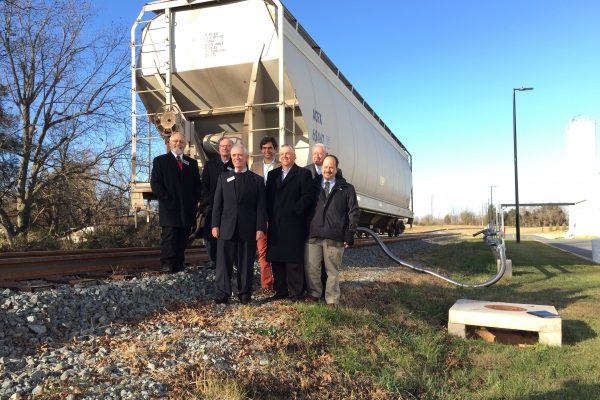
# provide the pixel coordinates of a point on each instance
(176, 182)
(239, 219)
(318, 154)
(210, 174)
(290, 200)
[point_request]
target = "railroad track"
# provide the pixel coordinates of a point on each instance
(360, 242)
(48, 265)
(43, 264)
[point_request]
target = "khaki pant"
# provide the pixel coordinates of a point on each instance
(330, 253)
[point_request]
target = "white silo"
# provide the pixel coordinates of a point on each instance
(584, 176)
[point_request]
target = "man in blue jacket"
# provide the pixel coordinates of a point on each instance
(332, 229)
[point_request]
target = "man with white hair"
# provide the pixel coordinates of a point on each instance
(175, 181)
(290, 200)
(239, 219)
(319, 152)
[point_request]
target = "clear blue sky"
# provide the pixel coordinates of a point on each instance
(440, 74)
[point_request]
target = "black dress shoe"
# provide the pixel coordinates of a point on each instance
(244, 300)
(297, 298)
(211, 265)
(275, 297)
(224, 300)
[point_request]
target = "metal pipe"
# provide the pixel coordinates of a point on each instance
(500, 248)
(281, 73)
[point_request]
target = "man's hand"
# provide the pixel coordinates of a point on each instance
(260, 235)
(215, 232)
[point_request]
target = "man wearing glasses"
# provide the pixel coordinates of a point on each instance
(268, 148)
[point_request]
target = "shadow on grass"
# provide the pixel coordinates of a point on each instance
(575, 331)
(570, 390)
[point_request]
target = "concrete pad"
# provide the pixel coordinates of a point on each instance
(505, 316)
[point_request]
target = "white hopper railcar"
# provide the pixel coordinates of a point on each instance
(246, 69)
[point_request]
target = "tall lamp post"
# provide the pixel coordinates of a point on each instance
(492, 203)
(518, 226)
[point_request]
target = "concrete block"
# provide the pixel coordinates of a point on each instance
(505, 316)
(508, 270)
(596, 250)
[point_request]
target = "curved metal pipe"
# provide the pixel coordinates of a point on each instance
(387, 251)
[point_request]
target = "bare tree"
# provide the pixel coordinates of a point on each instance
(65, 87)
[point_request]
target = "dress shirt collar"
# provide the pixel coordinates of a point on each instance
(331, 183)
(284, 171)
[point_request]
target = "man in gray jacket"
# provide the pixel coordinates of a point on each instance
(332, 229)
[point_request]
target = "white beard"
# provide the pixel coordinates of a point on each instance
(177, 151)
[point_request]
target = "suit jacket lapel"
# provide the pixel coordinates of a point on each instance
(290, 175)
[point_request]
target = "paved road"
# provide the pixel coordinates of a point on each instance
(582, 248)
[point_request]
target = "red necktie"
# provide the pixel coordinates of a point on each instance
(179, 163)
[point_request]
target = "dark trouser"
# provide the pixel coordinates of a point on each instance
(172, 247)
(289, 279)
(209, 240)
(242, 253)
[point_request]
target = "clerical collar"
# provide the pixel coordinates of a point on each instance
(242, 171)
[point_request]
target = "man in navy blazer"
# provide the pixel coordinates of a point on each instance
(175, 182)
(239, 219)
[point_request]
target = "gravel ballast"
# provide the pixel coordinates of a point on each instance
(77, 337)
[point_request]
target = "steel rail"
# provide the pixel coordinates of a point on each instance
(363, 242)
(42, 264)
(388, 252)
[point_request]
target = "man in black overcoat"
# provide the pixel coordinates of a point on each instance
(210, 175)
(175, 181)
(290, 200)
(239, 219)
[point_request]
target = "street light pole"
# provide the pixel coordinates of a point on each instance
(517, 217)
(492, 203)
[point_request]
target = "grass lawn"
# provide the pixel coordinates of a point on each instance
(391, 336)
(388, 340)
